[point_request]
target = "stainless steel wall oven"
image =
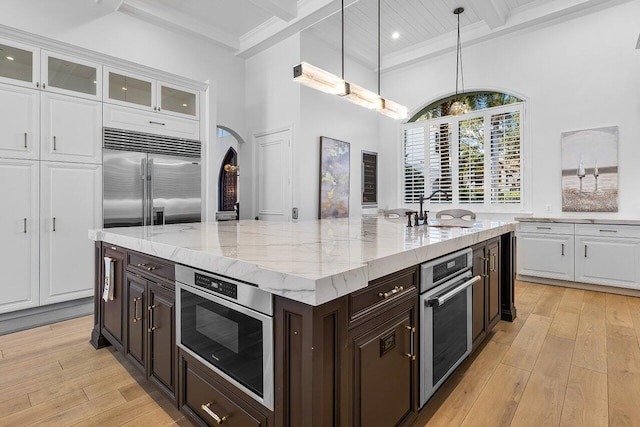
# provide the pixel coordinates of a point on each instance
(227, 325)
(445, 318)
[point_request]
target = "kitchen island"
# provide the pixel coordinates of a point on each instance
(332, 284)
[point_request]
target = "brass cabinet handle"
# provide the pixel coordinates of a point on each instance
(141, 265)
(135, 309)
(151, 325)
(151, 268)
(412, 330)
(218, 419)
(148, 267)
(485, 267)
(392, 292)
(493, 262)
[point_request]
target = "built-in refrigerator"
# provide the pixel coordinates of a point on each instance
(150, 179)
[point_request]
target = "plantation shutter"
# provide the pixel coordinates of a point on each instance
(471, 160)
(440, 160)
(414, 164)
(505, 158)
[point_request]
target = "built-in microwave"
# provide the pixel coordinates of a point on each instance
(227, 325)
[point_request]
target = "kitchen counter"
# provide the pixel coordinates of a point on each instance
(312, 261)
(610, 221)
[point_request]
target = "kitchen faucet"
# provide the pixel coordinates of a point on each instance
(420, 218)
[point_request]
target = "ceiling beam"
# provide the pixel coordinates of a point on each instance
(275, 30)
(494, 13)
(171, 18)
(283, 9)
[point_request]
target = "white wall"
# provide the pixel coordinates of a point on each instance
(581, 73)
(328, 115)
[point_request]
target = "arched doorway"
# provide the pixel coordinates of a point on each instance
(228, 182)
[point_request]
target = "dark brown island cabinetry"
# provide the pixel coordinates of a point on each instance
(486, 292)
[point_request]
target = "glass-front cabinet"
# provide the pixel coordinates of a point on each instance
(19, 64)
(71, 76)
(124, 88)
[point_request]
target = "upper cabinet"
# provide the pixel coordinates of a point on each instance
(124, 88)
(70, 76)
(19, 64)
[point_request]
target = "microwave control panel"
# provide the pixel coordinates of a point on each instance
(224, 288)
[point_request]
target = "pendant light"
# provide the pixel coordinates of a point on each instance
(322, 80)
(458, 107)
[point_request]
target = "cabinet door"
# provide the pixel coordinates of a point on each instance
(70, 205)
(493, 284)
(19, 122)
(71, 129)
(178, 101)
(479, 329)
(71, 76)
(123, 88)
(18, 234)
(608, 261)
(162, 344)
(112, 309)
(383, 373)
(136, 309)
(19, 64)
(545, 255)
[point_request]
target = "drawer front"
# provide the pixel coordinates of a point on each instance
(150, 266)
(207, 399)
(546, 227)
(605, 230)
(150, 122)
(383, 291)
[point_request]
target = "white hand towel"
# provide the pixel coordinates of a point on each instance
(109, 275)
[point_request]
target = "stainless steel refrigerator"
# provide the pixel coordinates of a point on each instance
(150, 179)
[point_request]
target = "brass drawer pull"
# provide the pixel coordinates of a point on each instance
(412, 330)
(141, 265)
(148, 267)
(135, 309)
(392, 292)
(207, 408)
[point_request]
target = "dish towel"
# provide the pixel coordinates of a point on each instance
(109, 275)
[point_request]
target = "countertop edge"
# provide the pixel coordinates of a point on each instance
(603, 221)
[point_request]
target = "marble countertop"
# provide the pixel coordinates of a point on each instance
(609, 221)
(308, 261)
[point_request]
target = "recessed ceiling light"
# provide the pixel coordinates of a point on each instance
(184, 105)
(10, 58)
(124, 88)
(95, 81)
(395, 35)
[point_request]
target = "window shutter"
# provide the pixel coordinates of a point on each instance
(440, 175)
(414, 164)
(505, 158)
(471, 160)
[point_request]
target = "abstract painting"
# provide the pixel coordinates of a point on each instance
(334, 178)
(590, 170)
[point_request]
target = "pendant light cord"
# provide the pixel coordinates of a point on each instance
(378, 47)
(458, 51)
(342, 9)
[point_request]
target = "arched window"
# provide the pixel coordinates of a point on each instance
(228, 182)
(475, 158)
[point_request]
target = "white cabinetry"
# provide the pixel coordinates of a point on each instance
(19, 122)
(545, 255)
(119, 117)
(18, 234)
(19, 64)
(71, 76)
(71, 129)
(70, 205)
(608, 255)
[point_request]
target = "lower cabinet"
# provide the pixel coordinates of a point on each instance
(608, 261)
(384, 361)
(486, 292)
(150, 330)
(207, 401)
(545, 255)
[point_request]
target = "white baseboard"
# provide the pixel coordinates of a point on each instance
(580, 285)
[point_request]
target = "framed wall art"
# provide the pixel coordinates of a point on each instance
(334, 178)
(590, 170)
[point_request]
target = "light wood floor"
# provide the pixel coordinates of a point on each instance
(571, 358)
(52, 376)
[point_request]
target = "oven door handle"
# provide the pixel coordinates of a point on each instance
(440, 300)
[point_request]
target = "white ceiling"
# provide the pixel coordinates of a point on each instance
(426, 27)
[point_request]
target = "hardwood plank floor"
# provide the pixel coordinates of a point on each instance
(51, 375)
(571, 358)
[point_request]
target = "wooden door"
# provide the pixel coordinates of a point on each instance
(112, 309)
(136, 321)
(479, 329)
(18, 234)
(70, 204)
(493, 284)
(19, 122)
(162, 355)
(384, 380)
(273, 176)
(71, 129)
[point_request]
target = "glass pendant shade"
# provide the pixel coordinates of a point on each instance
(319, 79)
(363, 97)
(394, 110)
